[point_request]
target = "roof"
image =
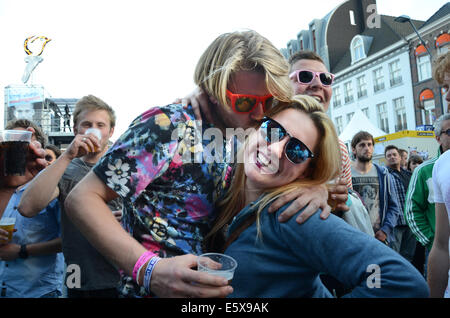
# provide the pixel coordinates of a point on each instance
(442, 12)
(359, 122)
(389, 33)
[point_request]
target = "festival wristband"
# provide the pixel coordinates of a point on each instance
(140, 262)
(149, 271)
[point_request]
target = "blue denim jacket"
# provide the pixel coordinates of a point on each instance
(35, 276)
(389, 205)
(287, 260)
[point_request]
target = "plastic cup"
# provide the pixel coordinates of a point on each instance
(217, 264)
(96, 132)
(14, 144)
(7, 224)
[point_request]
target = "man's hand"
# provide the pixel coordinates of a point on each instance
(4, 236)
(199, 100)
(313, 198)
(380, 235)
(35, 158)
(81, 145)
(9, 252)
(175, 277)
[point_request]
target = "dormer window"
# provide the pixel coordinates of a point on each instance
(357, 50)
(359, 47)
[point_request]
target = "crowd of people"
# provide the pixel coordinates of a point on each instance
(300, 217)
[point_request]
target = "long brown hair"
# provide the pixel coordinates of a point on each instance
(324, 167)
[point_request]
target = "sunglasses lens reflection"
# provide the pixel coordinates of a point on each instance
(296, 151)
(245, 104)
(326, 79)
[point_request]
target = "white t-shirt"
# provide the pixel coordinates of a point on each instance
(441, 185)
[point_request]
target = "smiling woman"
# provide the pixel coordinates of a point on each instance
(284, 259)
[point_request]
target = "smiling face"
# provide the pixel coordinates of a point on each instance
(266, 165)
(315, 88)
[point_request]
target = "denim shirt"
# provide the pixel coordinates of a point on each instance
(288, 259)
(34, 276)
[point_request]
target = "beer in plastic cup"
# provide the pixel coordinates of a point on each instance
(217, 264)
(96, 133)
(7, 224)
(14, 145)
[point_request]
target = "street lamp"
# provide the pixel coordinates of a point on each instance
(404, 18)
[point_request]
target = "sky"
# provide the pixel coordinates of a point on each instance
(137, 54)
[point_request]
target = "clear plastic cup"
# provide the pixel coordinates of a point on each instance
(7, 224)
(217, 264)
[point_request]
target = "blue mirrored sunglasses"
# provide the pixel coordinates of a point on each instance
(295, 150)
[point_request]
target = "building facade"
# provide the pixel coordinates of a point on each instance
(376, 64)
(429, 98)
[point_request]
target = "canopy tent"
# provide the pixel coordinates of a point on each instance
(359, 122)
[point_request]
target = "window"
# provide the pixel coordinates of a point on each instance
(428, 112)
(383, 117)
(443, 49)
(366, 111)
(349, 116)
(423, 67)
(339, 125)
(378, 80)
(400, 114)
(348, 92)
(395, 75)
(336, 97)
(358, 49)
(362, 86)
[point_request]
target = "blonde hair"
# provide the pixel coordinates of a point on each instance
(441, 66)
(92, 103)
(242, 51)
(324, 167)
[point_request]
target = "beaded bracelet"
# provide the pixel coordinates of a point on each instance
(148, 272)
(140, 262)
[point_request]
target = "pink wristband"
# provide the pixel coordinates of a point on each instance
(141, 261)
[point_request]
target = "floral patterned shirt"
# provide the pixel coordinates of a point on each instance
(167, 182)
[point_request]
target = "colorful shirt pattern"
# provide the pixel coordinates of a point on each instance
(168, 183)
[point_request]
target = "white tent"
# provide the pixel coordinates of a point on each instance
(359, 122)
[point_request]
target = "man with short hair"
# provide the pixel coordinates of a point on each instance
(99, 278)
(375, 184)
(403, 158)
(405, 242)
(420, 205)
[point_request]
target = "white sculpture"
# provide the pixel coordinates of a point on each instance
(33, 59)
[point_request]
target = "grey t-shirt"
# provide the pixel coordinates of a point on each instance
(96, 271)
(368, 187)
